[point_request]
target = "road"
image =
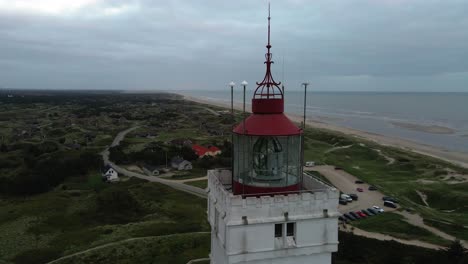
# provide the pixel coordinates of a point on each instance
(171, 183)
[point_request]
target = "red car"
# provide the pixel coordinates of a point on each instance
(359, 189)
(361, 214)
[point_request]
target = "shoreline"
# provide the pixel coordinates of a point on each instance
(454, 157)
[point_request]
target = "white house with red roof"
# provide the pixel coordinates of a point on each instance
(202, 151)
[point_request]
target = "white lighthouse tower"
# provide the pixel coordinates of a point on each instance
(266, 210)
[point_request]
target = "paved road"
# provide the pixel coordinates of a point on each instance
(174, 184)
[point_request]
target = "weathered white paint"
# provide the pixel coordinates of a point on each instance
(243, 230)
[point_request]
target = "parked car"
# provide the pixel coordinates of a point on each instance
(367, 212)
(343, 201)
(358, 182)
(372, 210)
(378, 209)
(353, 196)
(350, 217)
(347, 197)
(355, 215)
(389, 198)
(390, 204)
(372, 188)
(359, 189)
(361, 214)
(343, 219)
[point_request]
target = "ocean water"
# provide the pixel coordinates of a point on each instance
(377, 112)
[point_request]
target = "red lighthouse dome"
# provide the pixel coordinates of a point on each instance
(267, 145)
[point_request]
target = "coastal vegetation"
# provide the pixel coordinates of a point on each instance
(431, 187)
(53, 202)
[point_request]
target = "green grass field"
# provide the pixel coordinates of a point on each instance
(170, 249)
(200, 184)
(61, 222)
(393, 224)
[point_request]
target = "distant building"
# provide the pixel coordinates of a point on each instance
(181, 164)
(151, 170)
(202, 151)
(180, 142)
(109, 174)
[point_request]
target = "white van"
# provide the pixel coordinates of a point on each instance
(346, 197)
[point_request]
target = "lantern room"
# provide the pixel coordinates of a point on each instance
(267, 145)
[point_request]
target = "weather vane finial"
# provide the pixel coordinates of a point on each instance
(268, 81)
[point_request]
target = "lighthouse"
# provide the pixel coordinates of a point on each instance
(265, 209)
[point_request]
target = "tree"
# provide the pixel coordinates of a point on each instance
(188, 153)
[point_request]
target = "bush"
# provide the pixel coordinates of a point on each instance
(117, 205)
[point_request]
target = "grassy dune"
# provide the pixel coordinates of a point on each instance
(402, 178)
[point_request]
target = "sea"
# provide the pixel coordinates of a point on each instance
(434, 119)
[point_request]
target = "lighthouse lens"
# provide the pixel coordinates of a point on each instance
(267, 157)
(267, 161)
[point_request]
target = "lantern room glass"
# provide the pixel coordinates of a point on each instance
(267, 161)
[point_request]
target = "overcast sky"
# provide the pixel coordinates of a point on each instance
(336, 45)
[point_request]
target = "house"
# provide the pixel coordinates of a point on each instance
(109, 174)
(151, 170)
(202, 151)
(180, 142)
(181, 164)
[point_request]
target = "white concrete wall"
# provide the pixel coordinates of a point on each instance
(253, 241)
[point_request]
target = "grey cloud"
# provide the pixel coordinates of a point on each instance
(338, 45)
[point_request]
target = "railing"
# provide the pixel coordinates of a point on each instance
(310, 180)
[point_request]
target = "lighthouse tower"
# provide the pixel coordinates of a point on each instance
(266, 210)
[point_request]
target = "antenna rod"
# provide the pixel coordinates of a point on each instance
(305, 103)
(269, 24)
(303, 132)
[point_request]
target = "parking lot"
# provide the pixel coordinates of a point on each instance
(345, 182)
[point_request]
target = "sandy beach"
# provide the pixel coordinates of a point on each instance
(458, 158)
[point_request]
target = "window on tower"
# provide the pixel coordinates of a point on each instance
(290, 229)
(278, 230)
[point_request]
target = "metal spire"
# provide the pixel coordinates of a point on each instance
(268, 82)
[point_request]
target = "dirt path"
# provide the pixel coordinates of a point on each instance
(198, 260)
(390, 160)
(337, 148)
(417, 220)
(383, 237)
(115, 243)
(423, 197)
